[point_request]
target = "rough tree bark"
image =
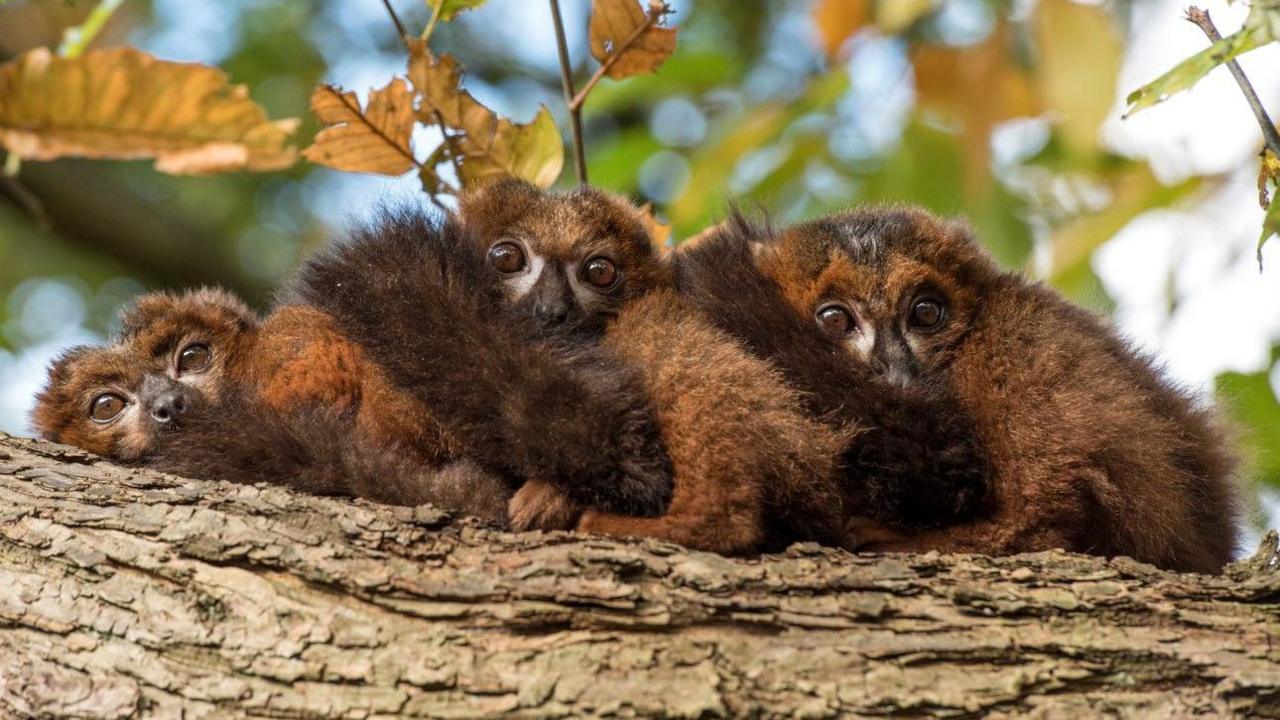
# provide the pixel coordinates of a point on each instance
(128, 593)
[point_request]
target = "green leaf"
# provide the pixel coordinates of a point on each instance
(1270, 224)
(449, 9)
(1254, 410)
(1188, 72)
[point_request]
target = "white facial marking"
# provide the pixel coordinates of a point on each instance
(862, 339)
(523, 282)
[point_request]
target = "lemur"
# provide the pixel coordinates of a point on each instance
(1091, 448)
(195, 371)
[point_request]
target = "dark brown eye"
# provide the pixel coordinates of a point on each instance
(507, 257)
(927, 313)
(836, 320)
(194, 358)
(600, 272)
(107, 407)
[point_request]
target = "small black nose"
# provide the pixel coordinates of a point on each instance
(168, 407)
(552, 314)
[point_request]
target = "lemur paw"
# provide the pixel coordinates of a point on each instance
(540, 505)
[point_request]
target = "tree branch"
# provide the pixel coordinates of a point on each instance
(1201, 19)
(566, 83)
(128, 593)
(395, 20)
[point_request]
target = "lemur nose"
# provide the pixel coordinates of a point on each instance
(168, 407)
(552, 313)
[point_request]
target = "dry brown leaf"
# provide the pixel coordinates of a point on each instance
(532, 152)
(375, 139)
(437, 82)
(627, 39)
(124, 104)
(838, 20)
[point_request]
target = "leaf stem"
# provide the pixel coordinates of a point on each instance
(436, 6)
(395, 20)
(570, 101)
(1201, 19)
(76, 39)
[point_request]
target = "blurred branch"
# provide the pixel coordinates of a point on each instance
(26, 201)
(395, 19)
(88, 208)
(76, 39)
(1201, 19)
(570, 100)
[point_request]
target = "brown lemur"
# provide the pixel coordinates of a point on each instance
(749, 469)
(196, 383)
(424, 304)
(1092, 449)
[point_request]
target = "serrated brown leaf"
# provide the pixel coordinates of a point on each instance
(532, 152)
(375, 139)
(124, 104)
(438, 84)
(627, 39)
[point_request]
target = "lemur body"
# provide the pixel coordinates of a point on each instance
(1091, 449)
(197, 383)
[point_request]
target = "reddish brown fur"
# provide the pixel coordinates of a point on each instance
(750, 470)
(1092, 449)
(292, 359)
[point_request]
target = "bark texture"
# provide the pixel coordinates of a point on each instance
(132, 594)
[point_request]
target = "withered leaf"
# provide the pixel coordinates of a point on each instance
(437, 82)
(375, 139)
(532, 152)
(627, 39)
(122, 103)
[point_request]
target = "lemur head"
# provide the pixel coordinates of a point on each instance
(570, 260)
(898, 287)
(172, 351)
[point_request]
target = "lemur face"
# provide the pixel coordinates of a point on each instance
(171, 353)
(569, 260)
(896, 287)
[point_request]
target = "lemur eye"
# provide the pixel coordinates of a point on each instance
(194, 358)
(107, 407)
(927, 313)
(507, 257)
(600, 272)
(836, 320)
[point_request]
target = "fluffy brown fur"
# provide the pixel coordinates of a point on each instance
(916, 461)
(423, 304)
(1092, 449)
(317, 449)
(286, 399)
(750, 469)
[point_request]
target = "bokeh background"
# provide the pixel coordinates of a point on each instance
(1007, 112)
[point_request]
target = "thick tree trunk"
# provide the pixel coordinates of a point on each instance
(127, 593)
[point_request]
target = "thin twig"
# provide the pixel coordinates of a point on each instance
(395, 19)
(28, 201)
(75, 40)
(1201, 19)
(651, 19)
(566, 83)
(436, 6)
